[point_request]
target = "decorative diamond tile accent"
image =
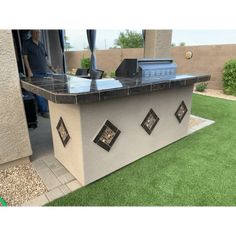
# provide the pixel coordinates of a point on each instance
(150, 121)
(62, 131)
(107, 136)
(181, 111)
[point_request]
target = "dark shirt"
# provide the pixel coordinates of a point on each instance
(36, 56)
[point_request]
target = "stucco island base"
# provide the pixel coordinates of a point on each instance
(87, 161)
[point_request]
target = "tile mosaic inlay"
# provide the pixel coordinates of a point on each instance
(107, 136)
(150, 121)
(181, 111)
(62, 131)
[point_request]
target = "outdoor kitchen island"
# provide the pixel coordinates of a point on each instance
(99, 126)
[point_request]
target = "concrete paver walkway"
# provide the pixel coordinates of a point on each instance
(58, 180)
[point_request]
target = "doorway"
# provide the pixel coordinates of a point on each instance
(51, 171)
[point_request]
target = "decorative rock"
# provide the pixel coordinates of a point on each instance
(19, 184)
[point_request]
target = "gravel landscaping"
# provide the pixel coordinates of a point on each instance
(19, 184)
(216, 93)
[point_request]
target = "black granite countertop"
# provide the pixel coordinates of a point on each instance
(72, 89)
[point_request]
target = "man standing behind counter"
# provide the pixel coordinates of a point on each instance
(37, 66)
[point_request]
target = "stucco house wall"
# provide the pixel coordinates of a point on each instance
(14, 136)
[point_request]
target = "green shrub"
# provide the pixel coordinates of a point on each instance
(85, 63)
(201, 87)
(112, 74)
(104, 74)
(229, 77)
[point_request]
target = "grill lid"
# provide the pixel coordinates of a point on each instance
(161, 68)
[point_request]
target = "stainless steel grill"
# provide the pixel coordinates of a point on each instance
(147, 68)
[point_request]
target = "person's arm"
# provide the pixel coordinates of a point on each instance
(52, 68)
(50, 65)
(25, 53)
(27, 66)
(48, 62)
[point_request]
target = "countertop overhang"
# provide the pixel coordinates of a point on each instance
(67, 89)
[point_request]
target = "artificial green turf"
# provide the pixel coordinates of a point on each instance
(199, 170)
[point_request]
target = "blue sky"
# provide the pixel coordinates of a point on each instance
(204, 37)
(105, 38)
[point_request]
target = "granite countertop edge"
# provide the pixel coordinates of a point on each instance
(106, 94)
